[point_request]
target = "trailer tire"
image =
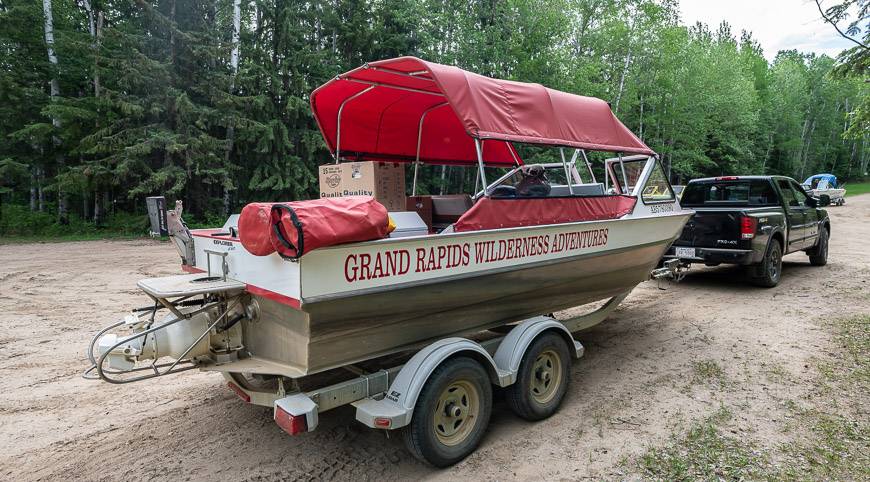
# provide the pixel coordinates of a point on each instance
(451, 413)
(819, 253)
(542, 379)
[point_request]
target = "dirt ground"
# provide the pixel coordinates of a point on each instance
(636, 385)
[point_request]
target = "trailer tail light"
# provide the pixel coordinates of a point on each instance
(292, 424)
(383, 422)
(748, 225)
(241, 393)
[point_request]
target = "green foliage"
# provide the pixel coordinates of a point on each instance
(18, 221)
(150, 104)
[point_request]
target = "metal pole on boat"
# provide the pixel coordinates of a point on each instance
(567, 174)
(419, 139)
(513, 154)
(338, 119)
(478, 145)
(573, 163)
(624, 176)
(589, 165)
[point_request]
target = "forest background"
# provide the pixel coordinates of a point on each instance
(105, 102)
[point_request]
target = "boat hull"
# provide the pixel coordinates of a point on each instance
(356, 325)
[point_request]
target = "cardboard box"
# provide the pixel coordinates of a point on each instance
(385, 181)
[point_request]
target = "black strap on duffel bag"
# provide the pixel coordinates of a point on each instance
(300, 239)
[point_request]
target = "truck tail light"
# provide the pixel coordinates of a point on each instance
(292, 424)
(748, 225)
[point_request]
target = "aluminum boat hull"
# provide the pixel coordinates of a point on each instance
(326, 332)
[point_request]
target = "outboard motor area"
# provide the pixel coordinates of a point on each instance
(178, 340)
(182, 330)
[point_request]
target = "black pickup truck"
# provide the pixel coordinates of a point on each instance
(752, 221)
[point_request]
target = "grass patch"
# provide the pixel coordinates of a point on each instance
(64, 238)
(18, 222)
(828, 433)
(706, 452)
(20, 225)
(834, 447)
(855, 189)
(707, 371)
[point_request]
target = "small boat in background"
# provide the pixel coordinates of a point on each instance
(827, 184)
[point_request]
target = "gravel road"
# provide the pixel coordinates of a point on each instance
(631, 390)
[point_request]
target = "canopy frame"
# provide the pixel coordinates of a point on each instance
(419, 140)
(483, 108)
(338, 120)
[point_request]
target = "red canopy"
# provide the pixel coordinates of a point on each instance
(384, 102)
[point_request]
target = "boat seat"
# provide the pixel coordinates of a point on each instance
(448, 208)
(592, 189)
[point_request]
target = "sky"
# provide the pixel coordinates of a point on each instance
(775, 24)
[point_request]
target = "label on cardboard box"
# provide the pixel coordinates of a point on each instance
(383, 181)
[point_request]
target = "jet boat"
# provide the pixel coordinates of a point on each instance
(506, 251)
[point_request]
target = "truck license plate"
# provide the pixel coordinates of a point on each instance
(685, 252)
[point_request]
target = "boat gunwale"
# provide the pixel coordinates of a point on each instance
(627, 217)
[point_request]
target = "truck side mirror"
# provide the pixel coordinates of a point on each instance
(824, 200)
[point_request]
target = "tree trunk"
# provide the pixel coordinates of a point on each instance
(640, 129)
(54, 86)
(99, 207)
(32, 189)
(85, 205)
(864, 159)
(234, 68)
(40, 180)
(98, 37)
(806, 150)
(622, 81)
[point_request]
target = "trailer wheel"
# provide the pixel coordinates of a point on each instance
(451, 414)
(542, 379)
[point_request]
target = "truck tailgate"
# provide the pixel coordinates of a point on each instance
(712, 228)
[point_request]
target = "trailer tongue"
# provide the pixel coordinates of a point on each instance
(310, 305)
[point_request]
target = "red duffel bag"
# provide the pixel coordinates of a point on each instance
(300, 227)
(255, 228)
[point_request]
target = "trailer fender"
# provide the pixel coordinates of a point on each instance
(396, 408)
(510, 352)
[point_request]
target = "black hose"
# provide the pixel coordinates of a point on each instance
(177, 303)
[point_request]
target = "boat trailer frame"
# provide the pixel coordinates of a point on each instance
(386, 398)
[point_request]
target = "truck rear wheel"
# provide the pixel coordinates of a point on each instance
(451, 414)
(819, 254)
(542, 379)
(768, 272)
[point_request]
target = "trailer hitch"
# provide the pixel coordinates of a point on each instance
(673, 269)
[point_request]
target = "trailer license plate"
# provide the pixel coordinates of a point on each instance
(685, 252)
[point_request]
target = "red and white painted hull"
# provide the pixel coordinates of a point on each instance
(348, 303)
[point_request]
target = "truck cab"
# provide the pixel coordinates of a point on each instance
(752, 221)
